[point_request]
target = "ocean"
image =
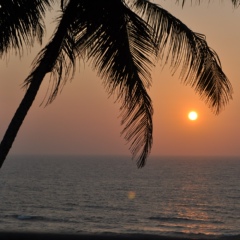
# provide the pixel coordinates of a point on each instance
(192, 197)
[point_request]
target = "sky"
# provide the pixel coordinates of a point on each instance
(85, 120)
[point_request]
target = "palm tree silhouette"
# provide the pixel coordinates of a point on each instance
(123, 40)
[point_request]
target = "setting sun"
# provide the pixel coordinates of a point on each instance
(192, 115)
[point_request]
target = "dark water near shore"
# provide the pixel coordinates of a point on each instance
(172, 196)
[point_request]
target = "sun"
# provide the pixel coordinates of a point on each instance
(192, 115)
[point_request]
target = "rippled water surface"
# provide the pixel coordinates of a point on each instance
(170, 196)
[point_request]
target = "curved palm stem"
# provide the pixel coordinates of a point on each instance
(44, 65)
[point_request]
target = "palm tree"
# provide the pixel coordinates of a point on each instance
(123, 40)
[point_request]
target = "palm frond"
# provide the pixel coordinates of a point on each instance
(21, 21)
(200, 65)
(120, 45)
(235, 3)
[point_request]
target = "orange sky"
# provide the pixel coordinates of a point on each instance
(83, 120)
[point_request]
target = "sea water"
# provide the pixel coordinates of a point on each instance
(170, 196)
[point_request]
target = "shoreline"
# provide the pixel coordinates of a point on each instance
(7, 235)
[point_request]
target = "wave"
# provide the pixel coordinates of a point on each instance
(179, 219)
(36, 218)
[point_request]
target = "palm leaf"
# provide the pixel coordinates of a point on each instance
(235, 3)
(121, 46)
(200, 65)
(21, 21)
